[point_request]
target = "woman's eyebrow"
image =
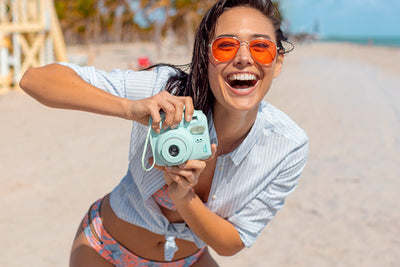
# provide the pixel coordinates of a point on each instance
(226, 35)
(266, 36)
(256, 35)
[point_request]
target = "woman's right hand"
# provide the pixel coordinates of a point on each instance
(173, 106)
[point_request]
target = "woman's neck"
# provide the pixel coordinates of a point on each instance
(232, 127)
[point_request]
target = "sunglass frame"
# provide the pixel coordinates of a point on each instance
(248, 47)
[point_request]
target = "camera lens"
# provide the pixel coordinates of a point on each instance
(173, 150)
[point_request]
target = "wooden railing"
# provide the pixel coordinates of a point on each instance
(30, 36)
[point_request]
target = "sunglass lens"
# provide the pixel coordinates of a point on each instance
(225, 48)
(264, 51)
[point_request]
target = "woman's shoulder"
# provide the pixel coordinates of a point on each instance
(278, 122)
(162, 70)
(158, 74)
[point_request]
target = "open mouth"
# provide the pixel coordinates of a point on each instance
(242, 81)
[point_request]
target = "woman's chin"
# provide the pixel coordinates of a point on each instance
(241, 105)
(243, 99)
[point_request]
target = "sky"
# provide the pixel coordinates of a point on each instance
(343, 18)
(140, 18)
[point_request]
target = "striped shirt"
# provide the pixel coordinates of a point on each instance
(250, 184)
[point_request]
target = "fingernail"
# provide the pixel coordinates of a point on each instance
(174, 126)
(188, 117)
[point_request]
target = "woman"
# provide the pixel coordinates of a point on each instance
(168, 216)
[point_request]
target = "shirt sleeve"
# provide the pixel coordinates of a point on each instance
(125, 83)
(255, 215)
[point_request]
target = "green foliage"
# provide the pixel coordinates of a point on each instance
(85, 8)
(61, 9)
(86, 20)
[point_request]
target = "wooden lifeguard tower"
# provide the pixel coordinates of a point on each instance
(30, 36)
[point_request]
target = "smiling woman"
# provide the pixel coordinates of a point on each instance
(169, 215)
(243, 81)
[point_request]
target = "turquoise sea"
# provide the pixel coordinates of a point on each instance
(378, 41)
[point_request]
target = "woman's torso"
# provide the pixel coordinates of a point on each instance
(145, 243)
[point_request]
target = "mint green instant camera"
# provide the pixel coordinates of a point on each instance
(190, 140)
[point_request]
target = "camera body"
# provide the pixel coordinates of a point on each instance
(190, 140)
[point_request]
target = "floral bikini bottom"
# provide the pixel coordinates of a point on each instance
(101, 241)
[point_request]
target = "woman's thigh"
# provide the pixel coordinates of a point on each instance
(82, 254)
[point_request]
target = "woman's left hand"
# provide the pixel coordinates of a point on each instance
(180, 179)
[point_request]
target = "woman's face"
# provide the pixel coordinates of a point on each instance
(241, 83)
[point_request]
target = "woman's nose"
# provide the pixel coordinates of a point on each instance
(243, 55)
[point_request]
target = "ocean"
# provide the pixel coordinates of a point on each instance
(378, 41)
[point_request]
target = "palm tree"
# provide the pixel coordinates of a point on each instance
(182, 16)
(77, 19)
(118, 18)
(189, 13)
(85, 21)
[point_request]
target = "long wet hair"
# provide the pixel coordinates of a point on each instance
(195, 83)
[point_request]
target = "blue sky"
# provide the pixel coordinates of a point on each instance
(355, 18)
(140, 18)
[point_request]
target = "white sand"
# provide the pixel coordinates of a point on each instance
(345, 212)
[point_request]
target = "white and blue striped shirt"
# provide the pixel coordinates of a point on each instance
(250, 184)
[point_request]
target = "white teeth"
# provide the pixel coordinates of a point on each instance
(242, 77)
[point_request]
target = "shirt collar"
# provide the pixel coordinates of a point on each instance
(248, 143)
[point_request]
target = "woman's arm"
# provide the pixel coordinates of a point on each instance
(59, 86)
(229, 236)
(217, 232)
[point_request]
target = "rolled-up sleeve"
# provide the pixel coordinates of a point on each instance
(125, 83)
(255, 215)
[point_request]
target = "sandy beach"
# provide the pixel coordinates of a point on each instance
(345, 211)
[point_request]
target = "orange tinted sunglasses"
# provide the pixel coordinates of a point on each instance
(262, 50)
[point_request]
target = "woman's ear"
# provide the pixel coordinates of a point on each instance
(278, 64)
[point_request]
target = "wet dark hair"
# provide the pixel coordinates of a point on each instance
(195, 83)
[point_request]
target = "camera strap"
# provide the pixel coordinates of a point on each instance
(144, 152)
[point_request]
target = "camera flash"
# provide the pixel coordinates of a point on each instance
(198, 129)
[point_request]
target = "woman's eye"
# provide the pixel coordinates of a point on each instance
(226, 45)
(261, 45)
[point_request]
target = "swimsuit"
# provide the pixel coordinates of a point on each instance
(101, 241)
(162, 198)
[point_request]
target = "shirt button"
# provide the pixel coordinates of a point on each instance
(214, 197)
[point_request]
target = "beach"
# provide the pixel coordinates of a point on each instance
(345, 211)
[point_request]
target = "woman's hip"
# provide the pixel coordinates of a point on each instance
(119, 240)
